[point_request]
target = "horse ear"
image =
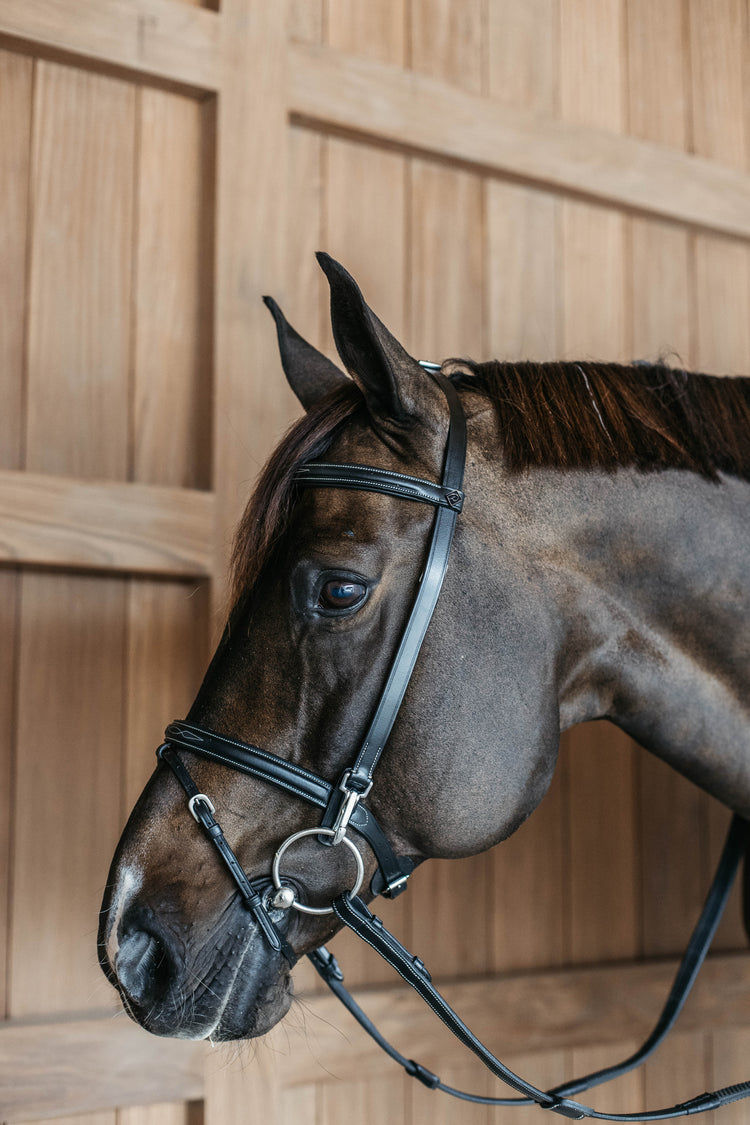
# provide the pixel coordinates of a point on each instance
(395, 387)
(309, 373)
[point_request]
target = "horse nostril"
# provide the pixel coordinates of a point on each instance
(142, 966)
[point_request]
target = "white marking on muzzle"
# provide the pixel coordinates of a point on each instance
(130, 882)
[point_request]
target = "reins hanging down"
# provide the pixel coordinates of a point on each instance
(343, 808)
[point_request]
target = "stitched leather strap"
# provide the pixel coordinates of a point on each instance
(357, 917)
(393, 870)
(368, 478)
(211, 827)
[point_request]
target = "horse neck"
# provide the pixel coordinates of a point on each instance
(649, 574)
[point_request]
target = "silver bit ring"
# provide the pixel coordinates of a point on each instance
(316, 832)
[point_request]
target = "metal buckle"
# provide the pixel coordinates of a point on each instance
(352, 799)
(280, 886)
(206, 801)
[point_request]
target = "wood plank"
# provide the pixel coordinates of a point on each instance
(8, 686)
(247, 1075)
(91, 1060)
(77, 1066)
(524, 54)
(173, 278)
(523, 305)
(167, 653)
(446, 41)
(375, 29)
(164, 39)
(15, 128)
(335, 90)
(50, 520)
(250, 411)
(15, 125)
(80, 279)
(68, 772)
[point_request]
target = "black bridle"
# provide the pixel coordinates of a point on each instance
(343, 808)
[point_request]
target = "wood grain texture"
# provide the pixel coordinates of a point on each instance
(250, 411)
(167, 635)
(239, 1076)
(164, 39)
(15, 129)
(172, 306)
(9, 584)
(51, 520)
(375, 29)
(80, 1066)
(523, 305)
(69, 745)
(523, 46)
(337, 90)
(446, 41)
(79, 299)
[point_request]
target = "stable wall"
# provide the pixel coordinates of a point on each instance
(547, 178)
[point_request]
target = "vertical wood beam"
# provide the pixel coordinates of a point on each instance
(250, 409)
(250, 406)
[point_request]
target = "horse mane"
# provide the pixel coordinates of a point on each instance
(549, 415)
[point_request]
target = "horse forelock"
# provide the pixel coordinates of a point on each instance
(266, 517)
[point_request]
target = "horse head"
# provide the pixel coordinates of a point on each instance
(324, 581)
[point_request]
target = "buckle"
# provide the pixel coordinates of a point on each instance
(352, 797)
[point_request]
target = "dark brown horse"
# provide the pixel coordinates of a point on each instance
(601, 569)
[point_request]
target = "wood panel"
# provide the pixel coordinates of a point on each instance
(339, 91)
(162, 38)
(15, 127)
(79, 297)
(66, 788)
(81, 1066)
(173, 279)
(53, 520)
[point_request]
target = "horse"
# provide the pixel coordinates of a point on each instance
(600, 569)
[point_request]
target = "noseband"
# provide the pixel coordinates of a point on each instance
(343, 809)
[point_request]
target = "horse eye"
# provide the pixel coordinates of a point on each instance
(341, 594)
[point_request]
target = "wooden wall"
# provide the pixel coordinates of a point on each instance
(514, 179)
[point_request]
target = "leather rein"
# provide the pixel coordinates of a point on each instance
(343, 808)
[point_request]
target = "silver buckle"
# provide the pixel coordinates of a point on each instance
(206, 801)
(346, 811)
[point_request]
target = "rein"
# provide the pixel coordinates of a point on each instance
(343, 809)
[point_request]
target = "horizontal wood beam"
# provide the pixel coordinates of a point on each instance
(386, 104)
(80, 1065)
(77, 1066)
(162, 39)
(139, 528)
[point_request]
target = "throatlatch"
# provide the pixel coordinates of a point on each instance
(343, 808)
